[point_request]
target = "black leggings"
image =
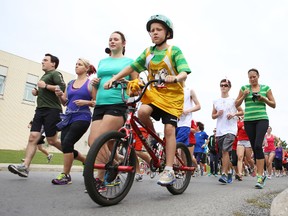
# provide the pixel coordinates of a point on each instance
(256, 131)
(71, 134)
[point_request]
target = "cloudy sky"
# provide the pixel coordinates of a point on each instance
(223, 38)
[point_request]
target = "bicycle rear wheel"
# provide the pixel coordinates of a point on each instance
(109, 175)
(182, 159)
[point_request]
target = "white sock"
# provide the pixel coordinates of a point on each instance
(169, 168)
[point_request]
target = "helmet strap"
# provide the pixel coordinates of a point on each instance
(164, 41)
(160, 44)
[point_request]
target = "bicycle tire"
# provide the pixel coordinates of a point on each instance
(182, 177)
(95, 157)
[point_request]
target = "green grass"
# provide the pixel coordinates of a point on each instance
(14, 157)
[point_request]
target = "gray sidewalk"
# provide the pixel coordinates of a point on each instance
(279, 206)
(44, 167)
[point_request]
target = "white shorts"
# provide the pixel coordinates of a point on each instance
(245, 143)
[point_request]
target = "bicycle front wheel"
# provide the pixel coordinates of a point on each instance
(182, 162)
(109, 169)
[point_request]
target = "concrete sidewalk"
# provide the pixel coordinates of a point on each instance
(279, 206)
(44, 167)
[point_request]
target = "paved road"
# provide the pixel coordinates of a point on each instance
(204, 196)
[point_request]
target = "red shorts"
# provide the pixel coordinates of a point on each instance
(137, 142)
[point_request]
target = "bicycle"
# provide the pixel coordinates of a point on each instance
(113, 157)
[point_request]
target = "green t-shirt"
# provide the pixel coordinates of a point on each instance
(159, 64)
(255, 110)
(177, 57)
(46, 98)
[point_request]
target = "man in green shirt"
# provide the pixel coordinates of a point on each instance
(47, 112)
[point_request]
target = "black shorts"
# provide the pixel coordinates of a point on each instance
(48, 117)
(167, 118)
(114, 110)
(41, 140)
(200, 157)
(234, 158)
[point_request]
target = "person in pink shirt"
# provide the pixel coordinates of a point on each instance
(269, 150)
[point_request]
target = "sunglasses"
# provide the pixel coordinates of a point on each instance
(224, 85)
(214, 131)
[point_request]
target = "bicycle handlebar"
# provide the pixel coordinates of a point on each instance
(123, 84)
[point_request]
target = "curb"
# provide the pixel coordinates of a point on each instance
(279, 206)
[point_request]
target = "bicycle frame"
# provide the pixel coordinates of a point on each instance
(131, 124)
(109, 172)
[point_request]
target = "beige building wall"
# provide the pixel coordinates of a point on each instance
(15, 113)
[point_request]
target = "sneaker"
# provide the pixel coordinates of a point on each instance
(150, 173)
(167, 178)
(230, 178)
(116, 182)
(62, 179)
(196, 173)
(209, 174)
(139, 177)
(102, 188)
(223, 178)
(179, 175)
(238, 177)
(246, 171)
(270, 177)
(216, 175)
(20, 170)
(49, 157)
(253, 173)
(100, 185)
(261, 180)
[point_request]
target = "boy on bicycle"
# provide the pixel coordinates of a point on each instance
(167, 63)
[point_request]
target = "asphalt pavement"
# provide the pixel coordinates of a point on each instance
(279, 205)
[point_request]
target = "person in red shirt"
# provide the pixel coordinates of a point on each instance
(285, 161)
(243, 150)
(269, 150)
(192, 141)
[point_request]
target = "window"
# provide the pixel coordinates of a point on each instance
(3, 74)
(31, 83)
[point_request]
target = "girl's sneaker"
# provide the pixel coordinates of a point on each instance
(261, 180)
(62, 179)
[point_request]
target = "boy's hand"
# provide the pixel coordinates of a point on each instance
(170, 79)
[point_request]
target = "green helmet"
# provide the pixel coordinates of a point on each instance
(163, 20)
